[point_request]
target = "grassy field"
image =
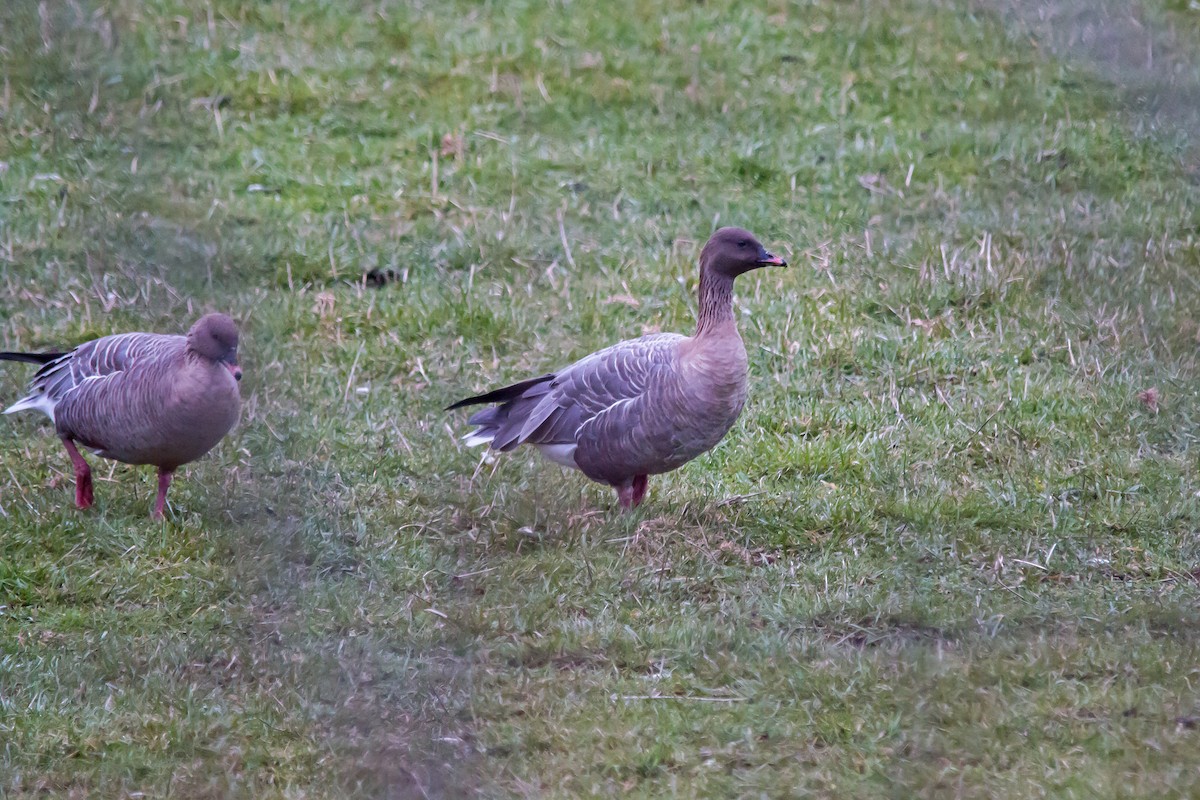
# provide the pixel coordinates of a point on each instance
(951, 549)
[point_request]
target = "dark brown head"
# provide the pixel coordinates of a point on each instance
(732, 251)
(215, 337)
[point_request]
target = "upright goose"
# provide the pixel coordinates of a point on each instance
(140, 398)
(642, 406)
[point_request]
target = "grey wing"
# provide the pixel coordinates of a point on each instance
(609, 383)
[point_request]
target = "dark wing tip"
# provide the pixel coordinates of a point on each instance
(503, 394)
(31, 358)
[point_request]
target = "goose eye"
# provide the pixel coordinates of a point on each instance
(743, 244)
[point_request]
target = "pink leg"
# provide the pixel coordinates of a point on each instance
(630, 494)
(164, 483)
(83, 476)
(639, 489)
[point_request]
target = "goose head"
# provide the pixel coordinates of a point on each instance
(732, 251)
(215, 337)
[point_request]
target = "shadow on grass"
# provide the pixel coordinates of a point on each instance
(386, 712)
(1128, 44)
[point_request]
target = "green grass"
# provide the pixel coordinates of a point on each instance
(947, 551)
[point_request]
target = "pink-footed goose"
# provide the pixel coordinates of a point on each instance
(642, 406)
(140, 398)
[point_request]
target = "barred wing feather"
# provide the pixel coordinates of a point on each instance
(82, 371)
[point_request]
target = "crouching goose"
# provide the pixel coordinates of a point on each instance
(642, 406)
(140, 398)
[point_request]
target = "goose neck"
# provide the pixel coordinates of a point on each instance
(716, 304)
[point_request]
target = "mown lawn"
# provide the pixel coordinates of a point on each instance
(951, 549)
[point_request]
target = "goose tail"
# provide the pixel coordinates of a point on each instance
(37, 401)
(34, 402)
(478, 436)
